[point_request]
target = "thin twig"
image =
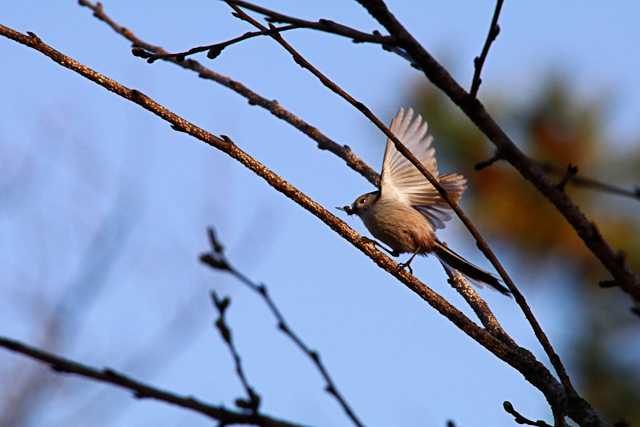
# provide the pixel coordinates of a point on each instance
(576, 180)
(213, 50)
(571, 171)
(590, 183)
(478, 62)
(488, 162)
(521, 419)
(139, 389)
(586, 229)
(217, 259)
(480, 241)
(324, 142)
(252, 402)
(519, 358)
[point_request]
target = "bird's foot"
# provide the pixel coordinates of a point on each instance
(407, 265)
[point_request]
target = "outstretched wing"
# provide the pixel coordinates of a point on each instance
(402, 180)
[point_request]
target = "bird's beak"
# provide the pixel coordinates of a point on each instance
(346, 209)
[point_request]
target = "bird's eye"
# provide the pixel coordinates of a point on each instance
(361, 201)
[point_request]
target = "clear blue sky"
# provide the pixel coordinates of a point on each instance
(71, 154)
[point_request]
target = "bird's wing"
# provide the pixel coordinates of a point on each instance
(403, 181)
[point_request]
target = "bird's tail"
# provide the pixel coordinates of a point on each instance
(453, 260)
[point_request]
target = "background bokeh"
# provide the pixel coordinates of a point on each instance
(103, 210)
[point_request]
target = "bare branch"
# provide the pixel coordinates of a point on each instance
(139, 389)
(520, 419)
(481, 243)
(479, 306)
(324, 25)
(571, 171)
(576, 180)
(628, 281)
(323, 141)
(213, 50)
(253, 400)
(388, 43)
(478, 62)
(217, 259)
(590, 183)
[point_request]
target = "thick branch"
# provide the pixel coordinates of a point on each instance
(517, 357)
(324, 142)
(439, 76)
(217, 259)
(141, 390)
(481, 243)
(478, 62)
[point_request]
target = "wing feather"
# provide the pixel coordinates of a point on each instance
(403, 181)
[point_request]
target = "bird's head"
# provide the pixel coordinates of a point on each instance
(361, 204)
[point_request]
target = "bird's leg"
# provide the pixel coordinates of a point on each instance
(377, 244)
(407, 264)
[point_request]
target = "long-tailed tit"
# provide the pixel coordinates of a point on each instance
(407, 209)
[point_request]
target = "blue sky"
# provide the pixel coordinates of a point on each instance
(75, 154)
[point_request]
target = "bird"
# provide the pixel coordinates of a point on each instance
(407, 209)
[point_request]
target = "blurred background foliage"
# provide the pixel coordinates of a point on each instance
(558, 126)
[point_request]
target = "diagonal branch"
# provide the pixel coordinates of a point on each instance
(519, 358)
(216, 259)
(324, 142)
(479, 306)
(624, 277)
(478, 62)
(139, 389)
(481, 243)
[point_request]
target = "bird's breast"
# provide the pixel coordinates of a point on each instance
(400, 226)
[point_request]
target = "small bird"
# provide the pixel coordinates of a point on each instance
(407, 209)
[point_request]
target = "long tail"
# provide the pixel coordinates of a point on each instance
(455, 261)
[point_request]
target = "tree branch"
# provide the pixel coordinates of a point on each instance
(324, 25)
(479, 306)
(323, 141)
(141, 390)
(217, 260)
(213, 50)
(252, 402)
(590, 183)
(478, 62)
(576, 180)
(481, 243)
(517, 357)
(387, 43)
(521, 419)
(628, 281)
